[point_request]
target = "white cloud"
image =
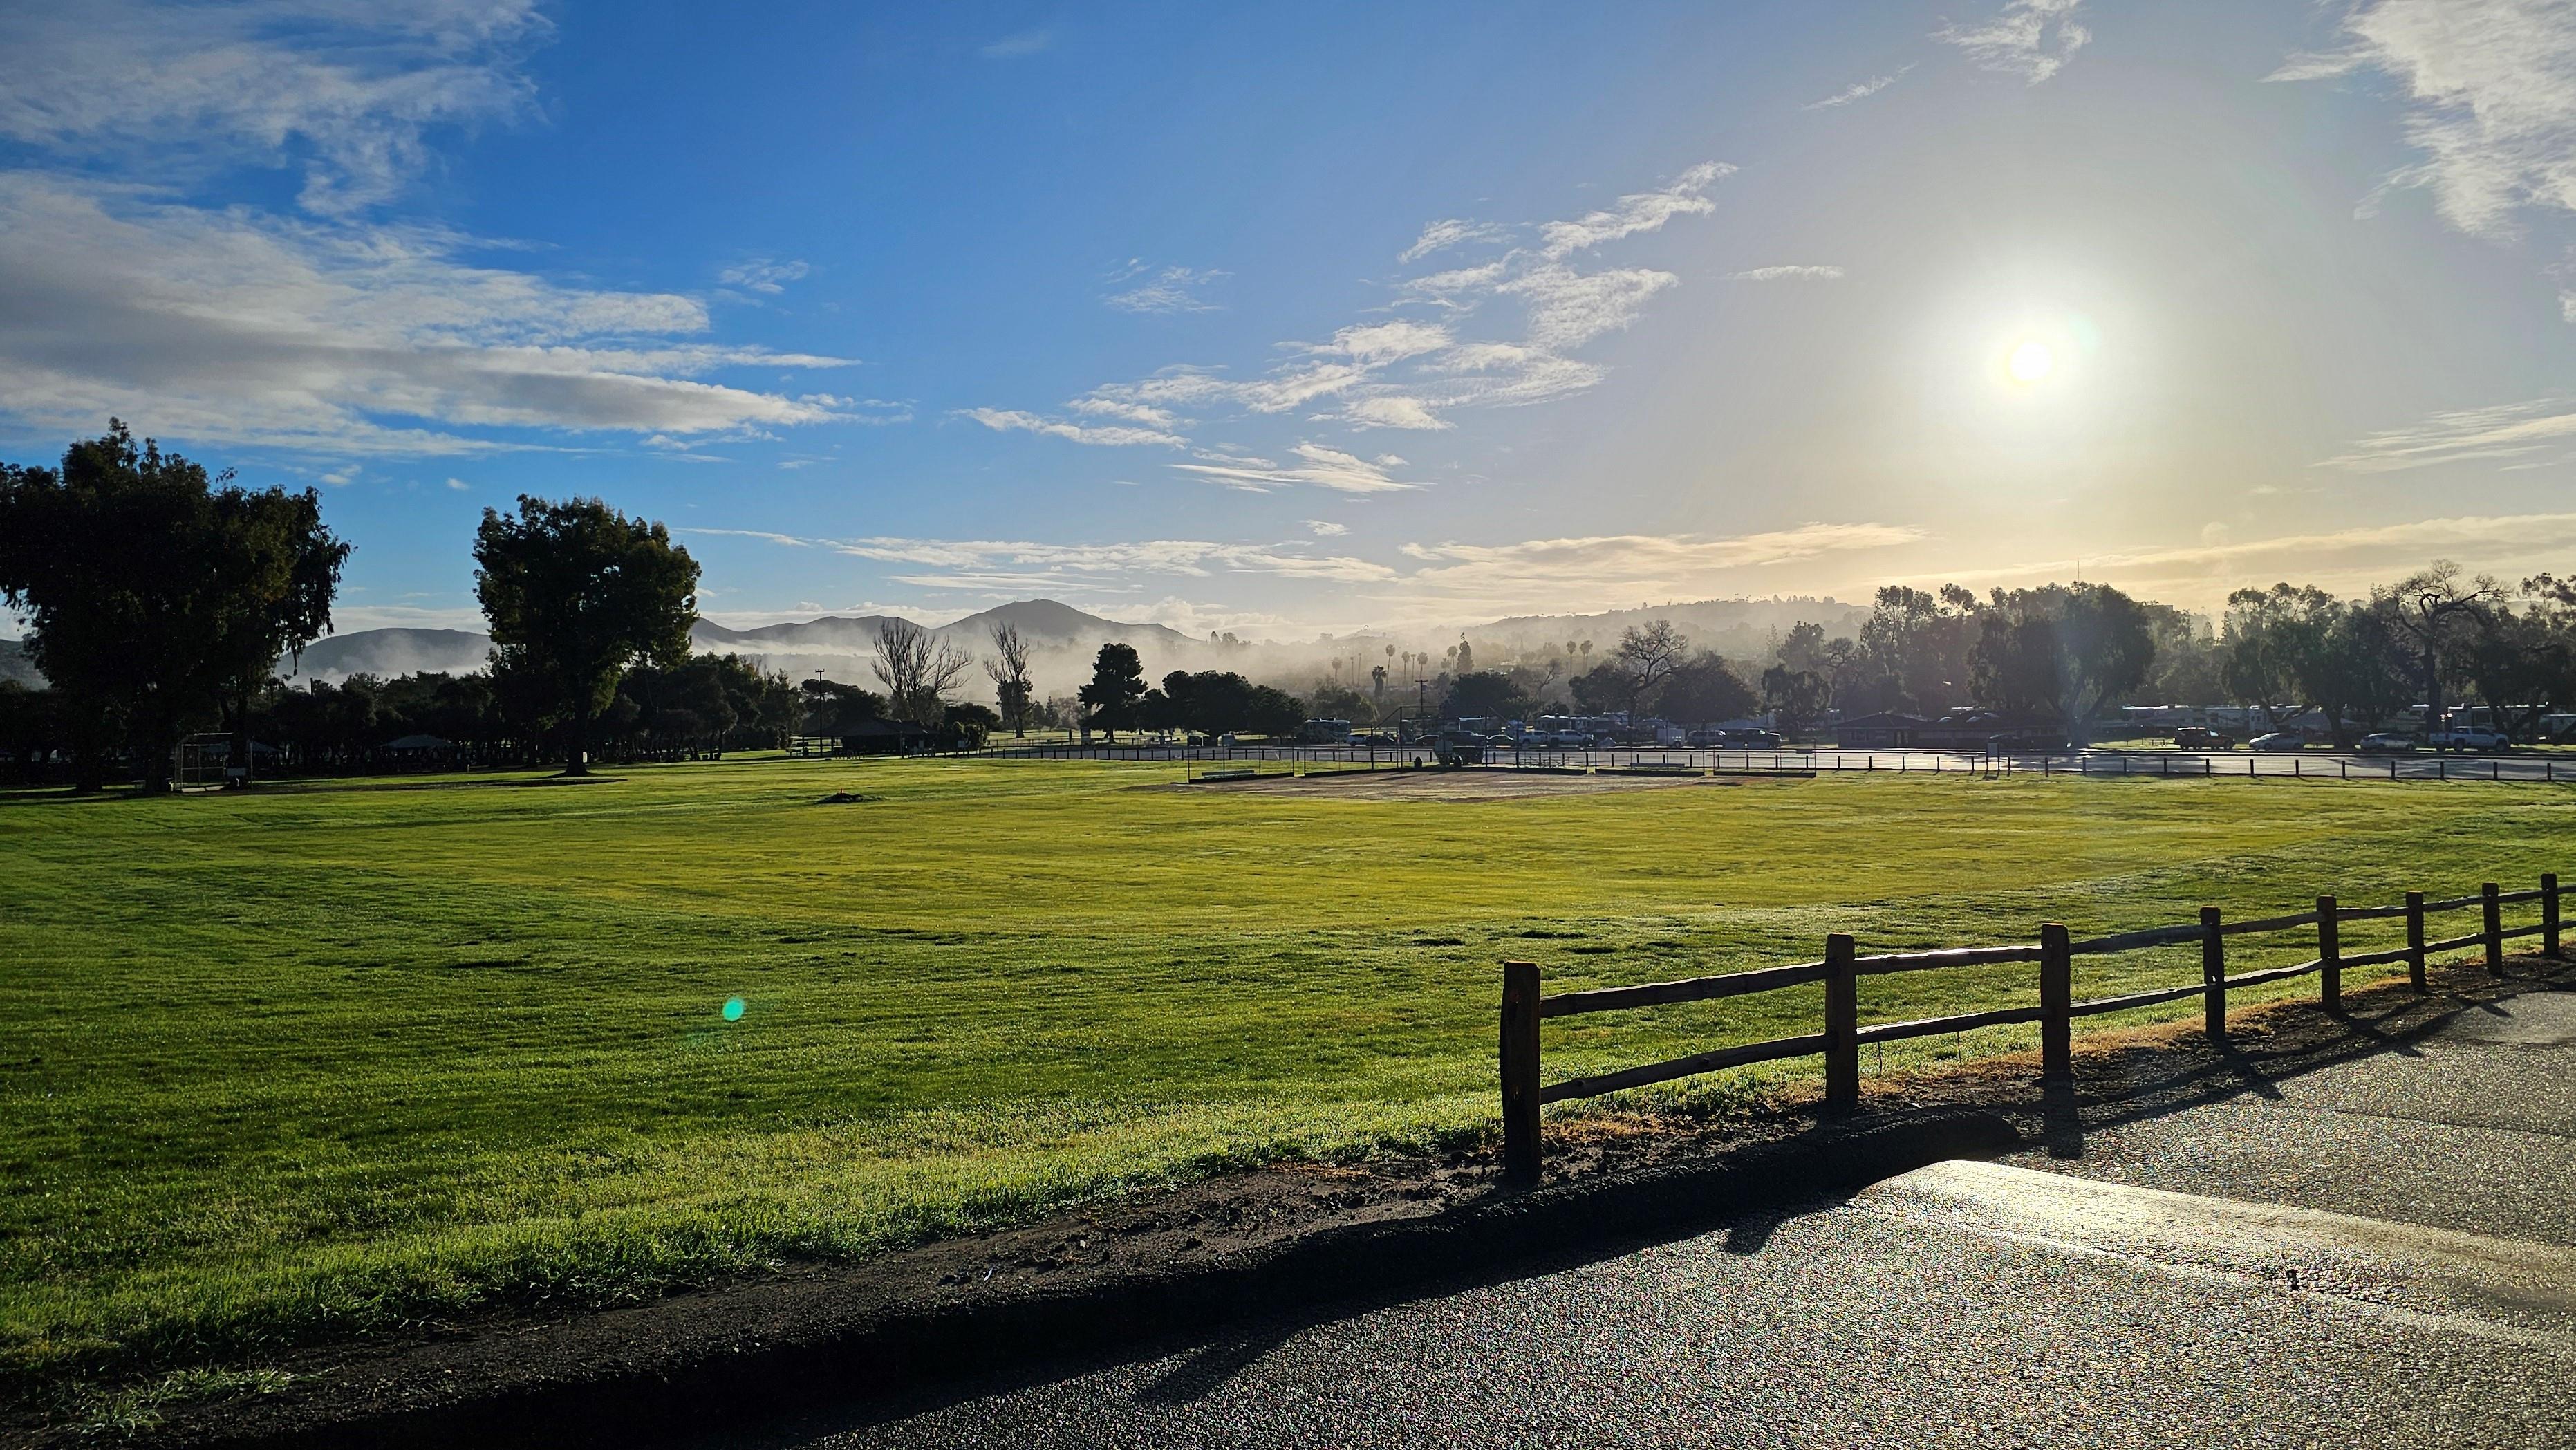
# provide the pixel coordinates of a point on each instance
(1407, 372)
(877, 412)
(458, 484)
(1568, 308)
(1393, 410)
(1860, 90)
(1787, 274)
(1017, 45)
(1326, 528)
(1456, 231)
(786, 540)
(231, 327)
(2468, 435)
(2493, 84)
(1174, 289)
(1323, 468)
(346, 92)
(1447, 287)
(1028, 561)
(1644, 211)
(2029, 38)
(1376, 344)
(1002, 420)
(763, 275)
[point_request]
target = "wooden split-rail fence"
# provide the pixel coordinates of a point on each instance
(2055, 952)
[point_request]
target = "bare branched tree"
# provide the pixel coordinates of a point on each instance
(2433, 611)
(917, 674)
(1649, 655)
(1010, 672)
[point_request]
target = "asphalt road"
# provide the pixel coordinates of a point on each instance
(2380, 1253)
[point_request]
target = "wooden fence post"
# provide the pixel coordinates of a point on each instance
(2056, 995)
(2415, 940)
(2494, 931)
(2213, 975)
(2329, 956)
(2549, 914)
(1520, 1072)
(1842, 1026)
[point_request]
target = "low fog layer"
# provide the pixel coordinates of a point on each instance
(1063, 641)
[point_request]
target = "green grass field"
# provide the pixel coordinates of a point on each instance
(321, 1061)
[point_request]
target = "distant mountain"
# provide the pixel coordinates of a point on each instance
(388, 652)
(1061, 639)
(1044, 621)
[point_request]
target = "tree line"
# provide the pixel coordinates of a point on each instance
(160, 598)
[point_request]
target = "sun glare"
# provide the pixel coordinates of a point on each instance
(2030, 362)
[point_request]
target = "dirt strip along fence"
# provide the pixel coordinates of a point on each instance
(2055, 952)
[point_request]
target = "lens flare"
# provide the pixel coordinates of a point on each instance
(733, 1009)
(2031, 362)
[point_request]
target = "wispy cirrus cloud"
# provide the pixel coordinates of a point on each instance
(347, 93)
(1018, 45)
(1319, 467)
(1787, 274)
(327, 332)
(1643, 211)
(1026, 559)
(1860, 90)
(2032, 39)
(1408, 372)
(1429, 582)
(1440, 236)
(2542, 430)
(764, 275)
(1004, 420)
(2492, 88)
(1167, 290)
(340, 336)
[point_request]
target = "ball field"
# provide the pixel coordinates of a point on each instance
(322, 1060)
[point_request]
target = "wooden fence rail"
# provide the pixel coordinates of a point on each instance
(1840, 1041)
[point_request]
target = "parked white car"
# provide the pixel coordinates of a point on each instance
(2278, 740)
(2388, 742)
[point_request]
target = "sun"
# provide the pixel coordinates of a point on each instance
(2030, 362)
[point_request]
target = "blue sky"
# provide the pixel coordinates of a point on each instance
(1293, 318)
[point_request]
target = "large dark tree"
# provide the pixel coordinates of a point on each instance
(1482, 694)
(2061, 650)
(1117, 683)
(576, 592)
(156, 592)
(1704, 692)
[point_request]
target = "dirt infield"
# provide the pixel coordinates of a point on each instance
(1461, 785)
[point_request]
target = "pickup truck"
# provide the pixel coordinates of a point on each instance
(2467, 740)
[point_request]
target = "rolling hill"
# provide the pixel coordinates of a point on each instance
(1061, 639)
